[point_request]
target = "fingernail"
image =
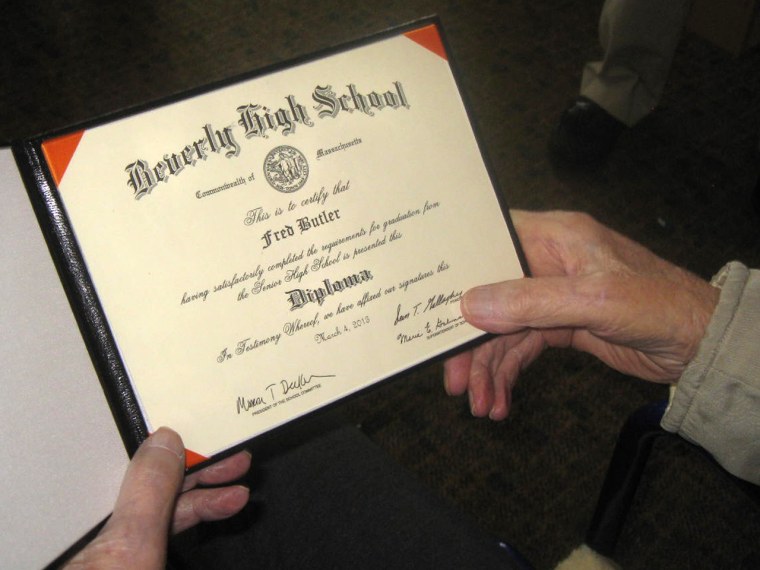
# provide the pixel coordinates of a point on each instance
(167, 439)
(478, 302)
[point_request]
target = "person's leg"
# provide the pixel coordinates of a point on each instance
(639, 39)
(337, 501)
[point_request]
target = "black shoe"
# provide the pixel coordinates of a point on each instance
(585, 134)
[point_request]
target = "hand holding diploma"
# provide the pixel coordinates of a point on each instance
(156, 499)
(593, 290)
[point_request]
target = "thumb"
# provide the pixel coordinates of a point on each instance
(153, 481)
(136, 535)
(540, 303)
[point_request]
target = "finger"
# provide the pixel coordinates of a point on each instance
(493, 373)
(480, 389)
(502, 400)
(517, 358)
(224, 471)
(503, 379)
(208, 505)
(474, 372)
(456, 373)
(495, 369)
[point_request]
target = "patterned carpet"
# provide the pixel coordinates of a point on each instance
(679, 182)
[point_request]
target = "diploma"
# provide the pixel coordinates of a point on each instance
(270, 246)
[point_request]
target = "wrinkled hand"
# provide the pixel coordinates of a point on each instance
(593, 290)
(155, 498)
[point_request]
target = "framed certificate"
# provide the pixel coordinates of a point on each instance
(248, 253)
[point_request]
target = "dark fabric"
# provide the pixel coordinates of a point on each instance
(337, 501)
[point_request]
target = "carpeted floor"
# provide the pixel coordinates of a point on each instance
(679, 182)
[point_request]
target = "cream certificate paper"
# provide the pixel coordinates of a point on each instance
(269, 247)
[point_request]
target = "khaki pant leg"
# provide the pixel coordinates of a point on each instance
(639, 38)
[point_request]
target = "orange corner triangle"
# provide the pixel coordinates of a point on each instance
(59, 152)
(429, 38)
(192, 458)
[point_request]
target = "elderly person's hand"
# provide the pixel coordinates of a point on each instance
(156, 499)
(592, 289)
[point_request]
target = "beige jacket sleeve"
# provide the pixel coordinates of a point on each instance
(716, 403)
